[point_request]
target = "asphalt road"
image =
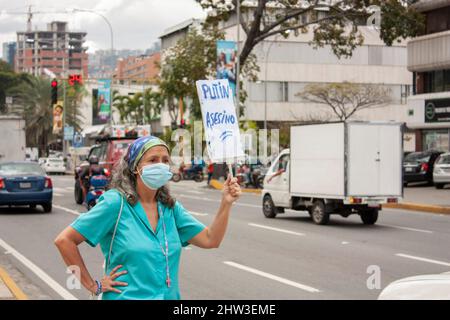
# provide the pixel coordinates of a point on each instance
(284, 258)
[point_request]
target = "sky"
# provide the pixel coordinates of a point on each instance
(136, 24)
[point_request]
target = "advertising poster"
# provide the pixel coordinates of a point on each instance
(227, 62)
(58, 113)
(102, 102)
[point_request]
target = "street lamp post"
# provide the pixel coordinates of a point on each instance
(112, 53)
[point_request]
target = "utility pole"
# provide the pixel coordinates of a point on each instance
(238, 66)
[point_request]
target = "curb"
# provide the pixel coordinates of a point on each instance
(419, 207)
(11, 285)
(404, 205)
(216, 184)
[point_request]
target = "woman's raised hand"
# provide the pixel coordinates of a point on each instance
(231, 190)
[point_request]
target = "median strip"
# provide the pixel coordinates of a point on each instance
(216, 184)
(9, 289)
(419, 207)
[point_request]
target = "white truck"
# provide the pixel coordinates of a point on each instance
(12, 133)
(337, 168)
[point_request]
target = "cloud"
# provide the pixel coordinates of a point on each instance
(136, 23)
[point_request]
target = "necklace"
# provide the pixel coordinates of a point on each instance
(166, 251)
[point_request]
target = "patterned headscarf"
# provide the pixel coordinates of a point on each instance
(137, 149)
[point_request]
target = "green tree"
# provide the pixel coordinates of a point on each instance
(333, 22)
(8, 79)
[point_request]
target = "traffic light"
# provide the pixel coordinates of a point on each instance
(54, 91)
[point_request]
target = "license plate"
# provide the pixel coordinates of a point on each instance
(409, 169)
(25, 185)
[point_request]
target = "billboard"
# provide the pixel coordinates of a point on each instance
(101, 103)
(58, 114)
(227, 62)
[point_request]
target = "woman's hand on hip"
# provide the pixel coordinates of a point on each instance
(231, 190)
(109, 282)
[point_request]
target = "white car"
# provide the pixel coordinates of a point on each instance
(54, 165)
(441, 173)
(424, 287)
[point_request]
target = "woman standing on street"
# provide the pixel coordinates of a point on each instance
(141, 229)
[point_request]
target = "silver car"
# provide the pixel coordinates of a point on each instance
(441, 172)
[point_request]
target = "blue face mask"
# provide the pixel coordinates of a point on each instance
(154, 176)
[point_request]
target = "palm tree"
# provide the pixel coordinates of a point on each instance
(153, 102)
(119, 102)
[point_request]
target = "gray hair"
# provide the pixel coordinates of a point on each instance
(124, 181)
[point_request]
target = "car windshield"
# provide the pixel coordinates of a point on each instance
(418, 157)
(21, 168)
(119, 149)
(444, 159)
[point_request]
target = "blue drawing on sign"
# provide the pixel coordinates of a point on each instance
(226, 134)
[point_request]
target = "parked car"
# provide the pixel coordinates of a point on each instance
(25, 183)
(54, 165)
(418, 166)
(423, 287)
(441, 172)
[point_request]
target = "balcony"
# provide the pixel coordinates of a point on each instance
(429, 52)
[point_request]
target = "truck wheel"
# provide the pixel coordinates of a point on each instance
(78, 192)
(318, 213)
(269, 209)
(369, 216)
(439, 185)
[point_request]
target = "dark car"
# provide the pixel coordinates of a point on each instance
(25, 183)
(418, 166)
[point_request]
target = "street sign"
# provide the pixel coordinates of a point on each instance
(221, 124)
(77, 140)
(437, 110)
(68, 133)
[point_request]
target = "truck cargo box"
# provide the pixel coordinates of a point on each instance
(346, 159)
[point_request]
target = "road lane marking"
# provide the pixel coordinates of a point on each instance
(67, 210)
(275, 229)
(66, 295)
(272, 277)
(58, 194)
(406, 228)
(69, 188)
(442, 263)
(198, 213)
(216, 200)
(59, 190)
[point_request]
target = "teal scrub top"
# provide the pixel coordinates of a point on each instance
(137, 247)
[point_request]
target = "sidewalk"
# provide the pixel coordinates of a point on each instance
(14, 285)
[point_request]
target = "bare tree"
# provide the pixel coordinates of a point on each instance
(345, 99)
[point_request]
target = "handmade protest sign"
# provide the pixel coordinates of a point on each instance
(221, 124)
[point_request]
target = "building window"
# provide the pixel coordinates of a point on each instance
(434, 81)
(436, 140)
